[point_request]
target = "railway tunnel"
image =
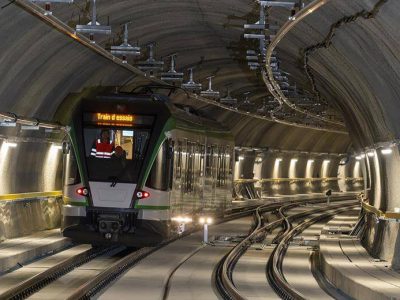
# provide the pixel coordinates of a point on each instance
(308, 90)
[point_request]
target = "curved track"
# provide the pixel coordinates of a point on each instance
(225, 268)
(98, 267)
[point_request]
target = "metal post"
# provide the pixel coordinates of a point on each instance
(126, 34)
(205, 233)
(94, 21)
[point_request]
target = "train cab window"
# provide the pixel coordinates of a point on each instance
(115, 154)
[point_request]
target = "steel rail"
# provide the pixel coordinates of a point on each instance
(92, 287)
(274, 266)
(80, 38)
(27, 287)
(270, 81)
(223, 277)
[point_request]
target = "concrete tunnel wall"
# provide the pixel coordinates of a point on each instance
(28, 167)
(358, 72)
(285, 173)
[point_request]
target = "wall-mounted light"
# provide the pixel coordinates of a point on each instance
(241, 157)
(278, 160)
(292, 168)
(386, 151)
(327, 161)
(310, 161)
(56, 147)
(10, 144)
(358, 157)
(371, 153)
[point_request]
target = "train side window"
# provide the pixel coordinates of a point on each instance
(178, 160)
(209, 161)
(71, 172)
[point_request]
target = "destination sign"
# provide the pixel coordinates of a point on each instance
(112, 119)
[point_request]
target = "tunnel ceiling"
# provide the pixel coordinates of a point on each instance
(43, 65)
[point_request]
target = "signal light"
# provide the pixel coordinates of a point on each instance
(82, 191)
(142, 194)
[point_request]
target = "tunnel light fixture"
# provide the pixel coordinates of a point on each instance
(228, 100)
(327, 161)
(386, 151)
(93, 27)
(182, 219)
(241, 157)
(206, 220)
(311, 161)
(8, 124)
(278, 160)
(294, 160)
(371, 153)
(10, 144)
(210, 93)
(358, 157)
(172, 74)
(47, 9)
(29, 127)
(56, 147)
(191, 85)
(151, 64)
(125, 49)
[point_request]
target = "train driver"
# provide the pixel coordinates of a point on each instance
(103, 147)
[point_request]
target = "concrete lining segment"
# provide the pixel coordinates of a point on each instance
(20, 251)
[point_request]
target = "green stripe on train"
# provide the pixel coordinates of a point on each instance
(151, 207)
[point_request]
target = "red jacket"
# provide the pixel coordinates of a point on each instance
(102, 150)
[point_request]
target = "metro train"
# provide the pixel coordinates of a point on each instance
(136, 166)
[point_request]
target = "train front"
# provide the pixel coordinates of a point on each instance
(113, 146)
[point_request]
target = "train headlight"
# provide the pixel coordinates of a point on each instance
(142, 194)
(205, 220)
(182, 219)
(82, 191)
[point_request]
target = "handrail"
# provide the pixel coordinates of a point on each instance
(293, 180)
(387, 215)
(24, 196)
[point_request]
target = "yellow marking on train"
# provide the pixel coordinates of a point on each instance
(21, 196)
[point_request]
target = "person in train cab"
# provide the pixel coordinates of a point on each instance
(119, 153)
(103, 147)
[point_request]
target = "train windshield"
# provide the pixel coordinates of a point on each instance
(115, 154)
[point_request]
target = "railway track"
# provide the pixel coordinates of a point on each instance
(224, 270)
(116, 267)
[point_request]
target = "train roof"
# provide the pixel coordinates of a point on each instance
(186, 117)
